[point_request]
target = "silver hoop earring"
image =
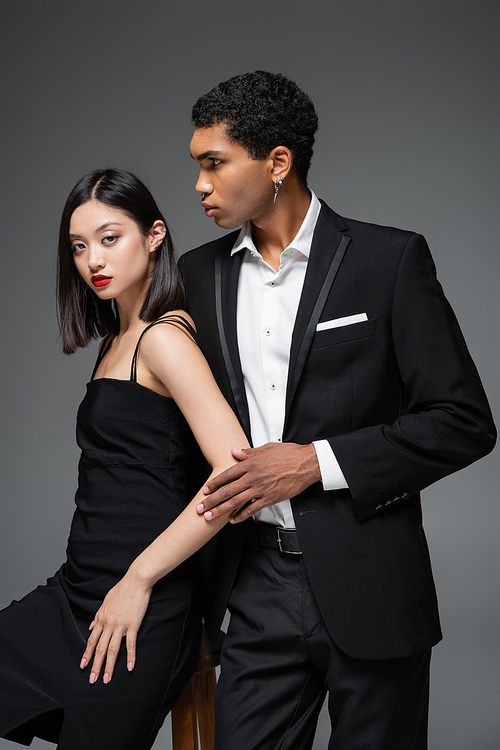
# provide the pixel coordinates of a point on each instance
(277, 184)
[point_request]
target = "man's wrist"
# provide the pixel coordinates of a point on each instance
(312, 463)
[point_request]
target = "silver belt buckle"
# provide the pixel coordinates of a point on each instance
(285, 551)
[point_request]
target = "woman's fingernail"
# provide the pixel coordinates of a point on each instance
(205, 490)
(93, 678)
(200, 508)
(91, 624)
(83, 663)
(208, 515)
(106, 678)
(130, 666)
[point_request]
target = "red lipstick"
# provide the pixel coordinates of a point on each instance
(100, 280)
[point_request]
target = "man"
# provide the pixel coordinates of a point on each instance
(335, 346)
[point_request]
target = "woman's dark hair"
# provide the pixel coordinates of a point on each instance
(82, 315)
(262, 110)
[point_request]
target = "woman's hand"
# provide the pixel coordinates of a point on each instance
(120, 615)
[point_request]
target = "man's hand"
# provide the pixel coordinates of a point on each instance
(263, 476)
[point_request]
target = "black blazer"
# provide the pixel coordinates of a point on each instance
(398, 398)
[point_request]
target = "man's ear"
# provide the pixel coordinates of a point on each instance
(282, 159)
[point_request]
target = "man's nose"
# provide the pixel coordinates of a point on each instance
(203, 185)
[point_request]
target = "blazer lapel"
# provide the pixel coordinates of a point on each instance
(327, 251)
(227, 269)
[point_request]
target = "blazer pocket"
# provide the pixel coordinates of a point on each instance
(344, 334)
(347, 320)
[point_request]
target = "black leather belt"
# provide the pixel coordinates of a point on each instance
(276, 537)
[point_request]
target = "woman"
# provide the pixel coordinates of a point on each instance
(150, 387)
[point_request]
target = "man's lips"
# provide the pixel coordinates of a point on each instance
(100, 280)
(209, 210)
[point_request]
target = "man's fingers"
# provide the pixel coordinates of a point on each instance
(226, 477)
(214, 508)
(241, 453)
(234, 491)
(247, 511)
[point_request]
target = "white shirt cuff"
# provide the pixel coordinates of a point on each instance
(331, 473)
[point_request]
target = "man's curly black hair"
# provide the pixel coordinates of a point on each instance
(262, 110)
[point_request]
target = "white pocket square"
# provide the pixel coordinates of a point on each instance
(338, 322)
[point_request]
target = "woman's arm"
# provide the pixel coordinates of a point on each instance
(173, 359)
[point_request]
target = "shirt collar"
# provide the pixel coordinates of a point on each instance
(302, 240)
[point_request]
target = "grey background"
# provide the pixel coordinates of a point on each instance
(407, 95)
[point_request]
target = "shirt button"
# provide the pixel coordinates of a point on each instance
(273, 283)
(278, 440)
(254, 255)
(273, 386)
(268, 332)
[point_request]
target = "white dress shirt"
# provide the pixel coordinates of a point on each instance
(266, 311)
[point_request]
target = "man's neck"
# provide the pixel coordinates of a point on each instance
(277, 230)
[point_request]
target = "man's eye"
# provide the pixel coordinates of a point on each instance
(215, 162)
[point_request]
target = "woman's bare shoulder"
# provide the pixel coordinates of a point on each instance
(175, 327)
(177, 319)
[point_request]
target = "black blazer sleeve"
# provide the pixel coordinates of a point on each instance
(445, 421)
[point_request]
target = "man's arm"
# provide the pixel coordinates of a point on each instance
(448, 424)
(264, 476)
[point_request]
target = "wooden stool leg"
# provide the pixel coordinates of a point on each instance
(184, 721)
(204, 688)
(194, 711)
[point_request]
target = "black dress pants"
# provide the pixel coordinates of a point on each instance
(279, 661)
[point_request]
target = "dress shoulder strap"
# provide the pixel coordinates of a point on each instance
(105, 344)
(170, 319)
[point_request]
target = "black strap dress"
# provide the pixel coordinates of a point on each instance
(133, 474)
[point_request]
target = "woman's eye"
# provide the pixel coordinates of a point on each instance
(77, 248)
(109, 239)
